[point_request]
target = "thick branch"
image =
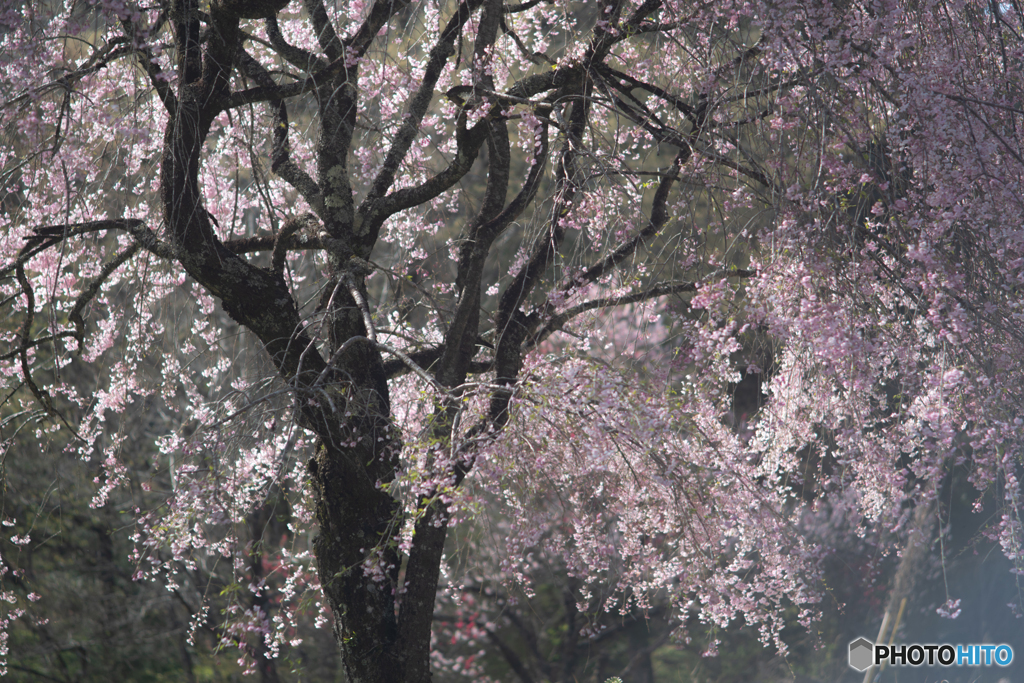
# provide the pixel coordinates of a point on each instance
(25, 335)
(380, 13)
(659, 217)
(460, 339)
(418, 105)
(281, 245)
(469, 144)
(325, 33)
(514, 662)
(246, 245)
(544, 250)
(281, 160)
(156, 76)
(296, 56)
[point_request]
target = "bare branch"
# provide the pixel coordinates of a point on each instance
(556, 322)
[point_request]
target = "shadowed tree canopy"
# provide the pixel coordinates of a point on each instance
(660, 281)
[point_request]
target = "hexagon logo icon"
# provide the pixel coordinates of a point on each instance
(860, 654)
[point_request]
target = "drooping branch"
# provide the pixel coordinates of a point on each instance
(469, 143)
(699, 117)
(47, 236)
(511, 323)
(459, 346)
(620, 77)
(89, 293)
(426, 358)
(115, 49)
(475, 248)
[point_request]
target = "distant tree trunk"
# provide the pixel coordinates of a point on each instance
(913, 562)
(916, 553)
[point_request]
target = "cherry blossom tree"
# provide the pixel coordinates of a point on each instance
(401, 236)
